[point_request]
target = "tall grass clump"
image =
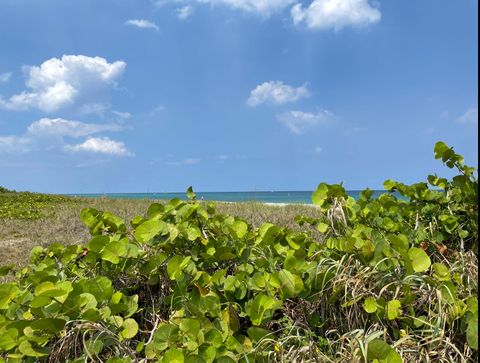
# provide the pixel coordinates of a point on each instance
(385, 279)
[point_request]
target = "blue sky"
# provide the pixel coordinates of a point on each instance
(232, 95)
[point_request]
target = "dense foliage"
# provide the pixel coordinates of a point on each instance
(29, 206)
(5, 190)
(391, 279)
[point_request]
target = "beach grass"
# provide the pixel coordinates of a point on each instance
(60, 221)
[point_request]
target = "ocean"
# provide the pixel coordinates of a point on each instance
(302, 197)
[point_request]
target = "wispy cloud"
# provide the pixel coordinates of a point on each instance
(298, 121)
(100, 145)
(61, 127)
(336, 14)
(142, 23)
(469, 117)
(185, 12)
(58, 83)
(186, 161)
(316, 14)
(263, 8)
(157, 110)
(277, 93)
(5, 77)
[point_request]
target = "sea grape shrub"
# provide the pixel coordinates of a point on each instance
(29, 206)
(185, 284)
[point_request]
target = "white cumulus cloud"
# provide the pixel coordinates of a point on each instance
(58, 83)
(142, 23)
(100, 145)
(5, 77)
(336, 14)
(298, 121)
(50, 134)
(469, 117)
(185, 12)
(276, 92)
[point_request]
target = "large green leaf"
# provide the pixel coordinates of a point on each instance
(97, 243)
(472, 334)
(173, 355)
(240, 228)
(382, 352)
(50, 325)
(176, 265)
(420, 260)
(8, 339)
(113, 251)
(370, 305)
(399, 242)
(165, 336)
(100, 287)
(267, 234)
(130, 329)
(191, 327)
(394, 309)
(320, 194)
(441, 272)
(34, 350)
(7, 293)
(290, 284)
(190, 193)
(262, 307)
(148, 230)
(439, 149)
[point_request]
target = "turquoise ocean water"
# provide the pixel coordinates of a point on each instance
(303, 197)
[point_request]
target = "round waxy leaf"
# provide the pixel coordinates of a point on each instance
(149, 229)
(441, 272)
(394, 309)
(240, 228)
(420, 260)
(176, 265)
(322, 227)
(472, 334)
(165, 336)
(260, 306)
(173, 355)
(370, 305)
(7, 293)
(113, 251)
(190, 327)
(291, 284)
(30, 350)
(8, 339)
(130, 329)
(320, 195)
(97, 243)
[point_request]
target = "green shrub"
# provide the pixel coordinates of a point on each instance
(391, 279)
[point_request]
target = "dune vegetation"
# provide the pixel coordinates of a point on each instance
(385, 279)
